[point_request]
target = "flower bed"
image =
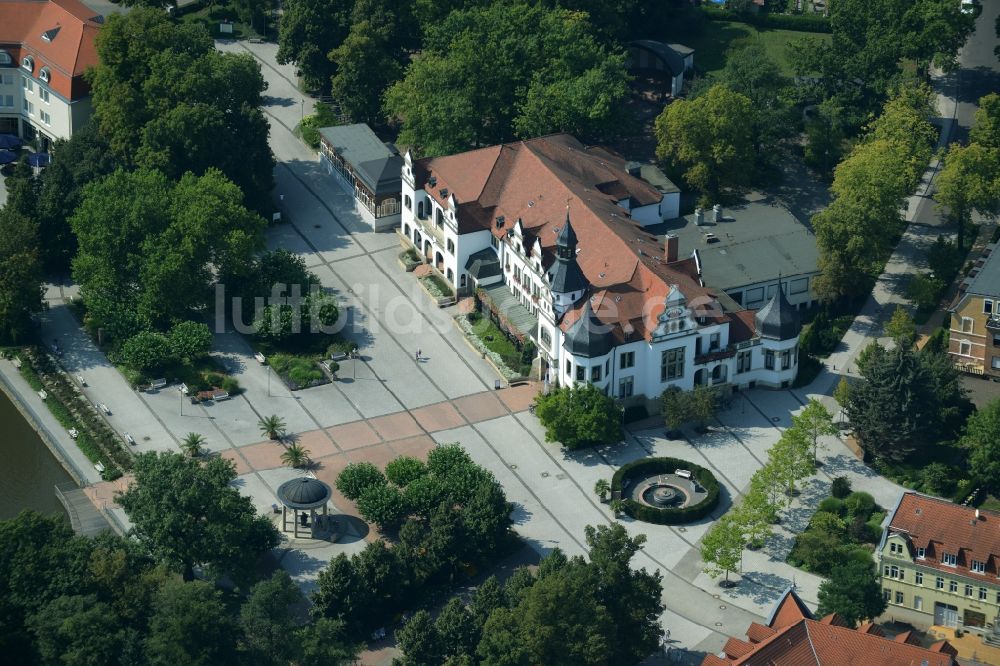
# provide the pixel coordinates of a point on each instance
(436, 286)
(72, 409)
(409, 259)
(481, 346)
(298, 372)
(667, 516)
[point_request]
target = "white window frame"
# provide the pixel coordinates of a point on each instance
(978, 567)
(949, 559)
(28, 63)
(921, 553)
(964, 348)
(987, 306)
(971, 324)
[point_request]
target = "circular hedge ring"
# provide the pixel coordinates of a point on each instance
(630, 474)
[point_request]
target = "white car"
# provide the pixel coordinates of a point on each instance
(968, 6)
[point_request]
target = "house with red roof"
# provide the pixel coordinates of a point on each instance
(793, 637)
(46, 46)
(557, 235)
(940, 565)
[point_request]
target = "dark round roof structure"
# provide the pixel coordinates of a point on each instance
(304, 493)
(778, 320)
(588, 336)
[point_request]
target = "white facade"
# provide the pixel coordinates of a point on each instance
(685, 350)
(683, 353)
(36, 109)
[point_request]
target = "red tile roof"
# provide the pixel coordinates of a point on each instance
(534, 182)
(942, 527)
(69, 49)
(796, 639)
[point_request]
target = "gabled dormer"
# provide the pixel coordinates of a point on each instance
(676, 316)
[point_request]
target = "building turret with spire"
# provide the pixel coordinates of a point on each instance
(566, 281)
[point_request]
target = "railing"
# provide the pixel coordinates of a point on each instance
(970, 368)
(993, 321)
(427, 226)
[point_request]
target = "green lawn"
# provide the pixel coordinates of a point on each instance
(499, 344)
(210, 16)
(715, 37)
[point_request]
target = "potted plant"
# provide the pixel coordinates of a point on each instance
(602, 488)
(617, 507)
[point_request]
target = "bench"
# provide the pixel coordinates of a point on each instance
(156, 384)
(220, 395)
(683, 473)
(339, 356)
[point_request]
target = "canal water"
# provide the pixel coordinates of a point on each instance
(28, 471)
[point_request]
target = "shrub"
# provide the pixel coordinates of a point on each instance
(832, 505)
(667, 516)
(579, 416)
(859, 504)
(356, 478)
(230, 385)
(146, 351)
(939, 479)
(841, 487)
(798, 22)
(190, 340)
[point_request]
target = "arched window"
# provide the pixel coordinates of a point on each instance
(28, 63)
(407, 202)
(44, 74)
(420, 209)
(5, 58)
(451, 276)
(438, 219)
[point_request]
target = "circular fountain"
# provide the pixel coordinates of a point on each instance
(664, 495)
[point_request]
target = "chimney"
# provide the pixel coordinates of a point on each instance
(699, 216)
(717, 213)
(671, 246)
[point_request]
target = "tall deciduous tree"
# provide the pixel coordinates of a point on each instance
(816, 422)
(711, 137)
(901, 328)
(20, 275)
(488, 73)
(165, 98)
(852, 591)
(84, 158)
(578, 416)
(190, 625)
(268, 620)
(969, 182)
(982, 439)
(186, 512)
(722, 547)
(986, 127)
(792, 457)
(147, 246)
(631, 596)
(310, 29)
(366, 67)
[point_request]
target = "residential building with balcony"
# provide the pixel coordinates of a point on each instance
(939, 564)
(559, 233)
(367, 168)
(974, 340)
(45, 48)
(793, 637)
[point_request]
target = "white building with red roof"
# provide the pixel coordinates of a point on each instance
(46, 46)
(558, 231)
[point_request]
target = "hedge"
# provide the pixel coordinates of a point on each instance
(798, 22)
(667, 516)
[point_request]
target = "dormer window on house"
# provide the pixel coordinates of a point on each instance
(896, 548)
(45, 74)
(49, 35)
(28, 63)
(950, 559)
(921, 553)
(5, 58)
(978, 567)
